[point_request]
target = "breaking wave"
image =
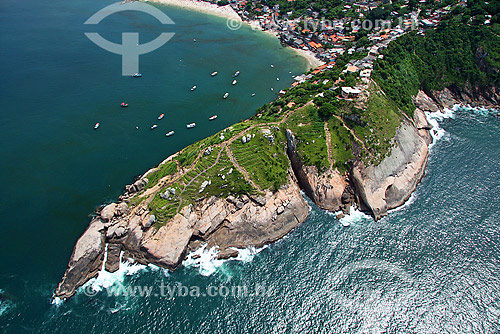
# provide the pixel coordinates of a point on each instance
(207, 263)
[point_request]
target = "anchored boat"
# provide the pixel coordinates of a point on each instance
(211, 118)
(236, 74)
(161, 116)
(190, 125)
(124, 105)
(214, 74)
(154, 126)
(137, 75)
(96, 126)
(193, 88)
(225, 96)
(170, 133)
(234, 82)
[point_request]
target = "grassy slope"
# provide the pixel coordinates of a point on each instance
(310, 134)
(410, 63)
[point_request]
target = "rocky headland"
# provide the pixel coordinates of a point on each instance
(233, 221)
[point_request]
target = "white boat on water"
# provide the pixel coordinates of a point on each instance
(234, 82)
(96, 126)
(211, 118)
(277, 79)
(193, 88)
(154, 126)
(190, 125)
(253, 94)
(214, 74)
(170, 133)
(272, 65)
(225, 96)
(161, 116)
(236, 74)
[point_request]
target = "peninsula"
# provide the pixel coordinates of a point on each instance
(353, 132)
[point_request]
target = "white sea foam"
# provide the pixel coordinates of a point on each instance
(434, 118)
(204, 259)
(105, 279)
(408, 202)
(207, 263)
(57, 301)
(4, 304)
(481, 110)
(247, 254)
(355, 216)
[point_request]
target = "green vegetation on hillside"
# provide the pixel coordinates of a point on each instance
(308, 129)
(457, 53)
(341, 143)
(263, 157)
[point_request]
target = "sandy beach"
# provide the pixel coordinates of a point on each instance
(234, 21)
(311, 58)
(202, 6)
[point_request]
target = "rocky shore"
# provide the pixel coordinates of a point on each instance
(231, 223)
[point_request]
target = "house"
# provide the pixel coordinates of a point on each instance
(352, 69)
(350, 92)
(365, 73)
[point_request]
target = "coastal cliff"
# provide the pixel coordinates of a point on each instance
(389, 184)
(215, 193)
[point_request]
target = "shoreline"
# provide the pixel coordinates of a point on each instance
(235, 20)
(203, 7)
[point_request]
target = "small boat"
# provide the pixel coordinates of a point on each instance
(253, 94)
(214, 74)
(124, 105)
(234, 82)
(193, 88)
(211, 118)
(154, 126)
(236, 74)
(225, 96)
(161, 116)
(272, 65)
(137, 75)
(194, 39)
(170, 133)
(277, 79)
(272, 89)
(96, 126)
(190, 125)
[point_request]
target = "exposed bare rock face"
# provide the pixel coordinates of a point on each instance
(225, 223)
(166, 245)
(325, 189)
(113, 258)
(487, 97)
(86, 260)
(253, 224)
(391, 183)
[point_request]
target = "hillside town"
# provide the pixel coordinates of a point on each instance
(329, 39)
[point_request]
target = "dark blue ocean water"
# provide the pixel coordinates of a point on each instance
(429, 267)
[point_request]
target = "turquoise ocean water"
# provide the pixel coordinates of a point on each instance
(429, 267)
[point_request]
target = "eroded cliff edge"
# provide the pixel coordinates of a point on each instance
(229, 221)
